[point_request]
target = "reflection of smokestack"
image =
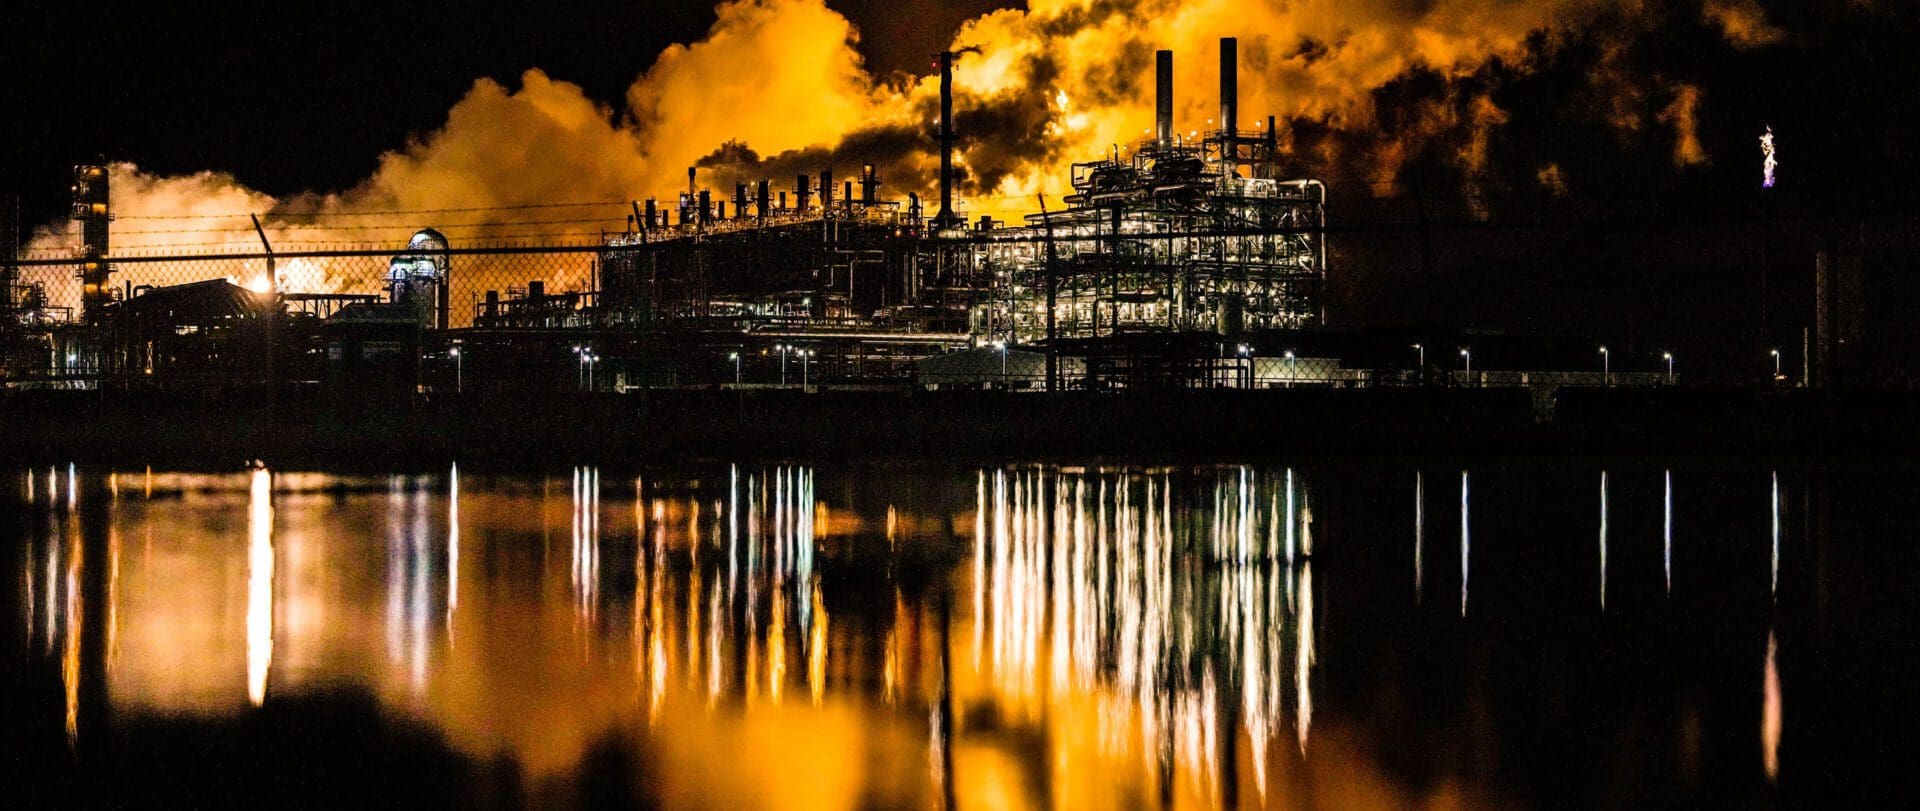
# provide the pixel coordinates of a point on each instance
(1163, 99)
(1229, 101)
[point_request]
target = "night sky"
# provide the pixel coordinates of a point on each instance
(1660, 252)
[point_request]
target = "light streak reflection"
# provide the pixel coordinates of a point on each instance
(1666, 531)
(1160, 604)
(1773, 567)
(259, 584)
(1770, 712)
(1466, 543)
(1603, 540)
(1419, 534)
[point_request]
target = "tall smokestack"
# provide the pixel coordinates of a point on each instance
(826, 189)
(946, 218)
(763, 200)
(1163, 99)
(1229, 101)
(802, 192)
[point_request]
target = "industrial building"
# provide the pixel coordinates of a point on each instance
(1186, 260)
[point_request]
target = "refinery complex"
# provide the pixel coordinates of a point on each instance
(1185, 260)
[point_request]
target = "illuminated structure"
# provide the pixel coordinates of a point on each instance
(418, 278)
(1198, 235)
(1178, 234)
(90, 209)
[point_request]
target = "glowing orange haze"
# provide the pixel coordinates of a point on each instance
(784, 77)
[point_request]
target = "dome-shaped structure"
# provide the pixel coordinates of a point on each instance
(430, 244)
(419, 276)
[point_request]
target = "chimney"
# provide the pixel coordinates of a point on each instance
(1163, 100)
(739, 201)
(690, 184)
(1230, 101)
(945, 218)
(803, 192)
(653, 209)
(826, 189)
(846, 194)
(783, 201)
(764, 197)
(869, 184)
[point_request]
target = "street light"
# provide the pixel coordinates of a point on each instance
(1776, 365)
(580, 371)
(735, 357)
(1246, 353)
(591, 360)
(458, 383)
(806, 364)
(1468, 354)
(1292, 368)
(1668, 357)
(1606, 367)
(1001, 347)
(784, 349)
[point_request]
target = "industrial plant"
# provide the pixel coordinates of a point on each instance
(1186, 260)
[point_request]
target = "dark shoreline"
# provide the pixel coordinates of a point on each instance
(79, 426)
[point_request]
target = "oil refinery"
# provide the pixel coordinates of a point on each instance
(1186, 260)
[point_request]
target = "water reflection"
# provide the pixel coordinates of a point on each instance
(1666, 528)
(1466, 542)
(259, 584)
(1603, 540)
(1136, 630)
(1023, 636)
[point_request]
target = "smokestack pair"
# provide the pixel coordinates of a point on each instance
(1229, 93)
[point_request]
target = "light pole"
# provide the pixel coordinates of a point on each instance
(1001, 347)
(735, 357)
(591, 360)
(1246, 353)
(580, 368)
(783, 362)
(1422, 349)
(806, 365)
(458, 383)
(1668, 357)
(1606, 367)
(1292, 369)
(1776, 365)
(1468, 354)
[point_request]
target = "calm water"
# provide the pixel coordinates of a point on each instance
(1387, 634)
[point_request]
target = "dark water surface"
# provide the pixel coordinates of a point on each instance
(1350, 634)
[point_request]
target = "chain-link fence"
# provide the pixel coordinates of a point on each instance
(50, 288)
